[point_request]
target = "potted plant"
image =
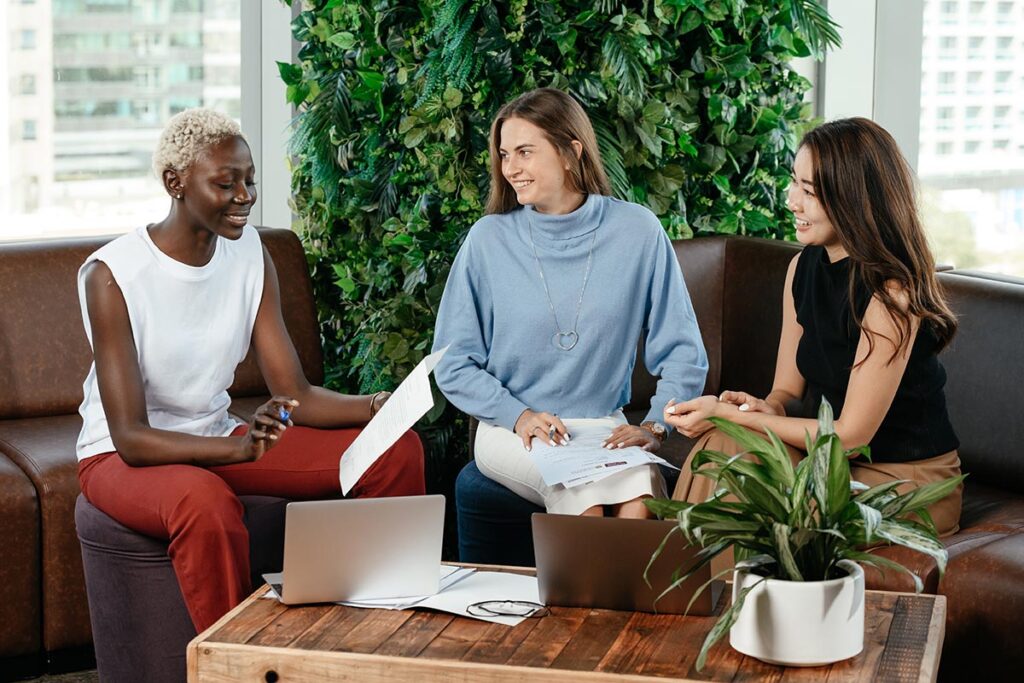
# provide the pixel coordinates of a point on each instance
(798, 534)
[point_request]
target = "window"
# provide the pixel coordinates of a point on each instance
(974, 85)
(119, 69)
(1004, 47)
(973, 116)
(27, 84)
(971, 162)
(945, 118)
(947, 47)
(1001, 116)
(975, 47)
(28, 39)
(947, 82)
(1002, 81)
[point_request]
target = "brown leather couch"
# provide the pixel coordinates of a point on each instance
(44, 357)
(736, 285)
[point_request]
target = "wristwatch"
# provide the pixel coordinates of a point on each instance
(656, 428)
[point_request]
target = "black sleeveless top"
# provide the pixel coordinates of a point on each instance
(917, 425)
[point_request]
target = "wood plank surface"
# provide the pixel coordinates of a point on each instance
(902, 642)
(878, 610)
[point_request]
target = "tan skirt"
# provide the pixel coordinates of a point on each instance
(945, 513)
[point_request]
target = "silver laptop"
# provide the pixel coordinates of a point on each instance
(361, 549)
(600, 562)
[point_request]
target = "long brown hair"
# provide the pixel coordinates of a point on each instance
(563, 120)
(867, 190)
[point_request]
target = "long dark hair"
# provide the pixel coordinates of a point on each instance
(867, 190)
(563, 120)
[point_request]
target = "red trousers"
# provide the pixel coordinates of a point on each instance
(197, 509)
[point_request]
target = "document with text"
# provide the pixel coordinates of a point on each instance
(409, 402)
(585, 460)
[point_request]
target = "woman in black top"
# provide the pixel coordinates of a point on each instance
(863, 321)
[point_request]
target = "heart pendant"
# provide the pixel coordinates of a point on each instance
(566, 340)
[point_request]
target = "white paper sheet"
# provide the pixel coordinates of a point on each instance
(409, 402)
(450, 575)
(584, 460)
(460, 588)
(482, 586)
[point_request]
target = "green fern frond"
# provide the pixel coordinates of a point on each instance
(816, 26)
(611, 156)
(618, 57)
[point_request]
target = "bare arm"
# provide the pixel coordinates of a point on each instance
(789, 384)
(279, 362)
(869, 394)
(123, 396)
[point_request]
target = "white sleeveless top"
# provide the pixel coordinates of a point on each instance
(191, 326)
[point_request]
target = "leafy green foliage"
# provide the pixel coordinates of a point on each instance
(696, 109)
(800, 524)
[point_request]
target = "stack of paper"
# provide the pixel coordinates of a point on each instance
(460, 587)
(585, 460)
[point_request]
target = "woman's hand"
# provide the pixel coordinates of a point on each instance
(628, 435)
(690, 418)
(747, 403)
(266, 426)
(544, 426)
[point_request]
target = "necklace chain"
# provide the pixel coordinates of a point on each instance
(568, 339)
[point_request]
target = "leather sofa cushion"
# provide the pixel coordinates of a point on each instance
(44, 353)
(984, 589)
(298, 308)
(20, 606)
(985, 386)
(44, 449)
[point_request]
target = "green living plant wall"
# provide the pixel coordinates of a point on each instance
(696, 107)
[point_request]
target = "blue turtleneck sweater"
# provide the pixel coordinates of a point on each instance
(496, 318)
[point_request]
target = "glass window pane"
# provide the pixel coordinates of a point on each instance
(971, 159)
(90, 85)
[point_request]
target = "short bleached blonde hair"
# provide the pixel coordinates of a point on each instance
(187, 135)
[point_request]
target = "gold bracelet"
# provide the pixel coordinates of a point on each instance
(373, 400)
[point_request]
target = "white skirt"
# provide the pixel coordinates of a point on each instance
(501, 457)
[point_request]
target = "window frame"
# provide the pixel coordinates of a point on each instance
(265, 113)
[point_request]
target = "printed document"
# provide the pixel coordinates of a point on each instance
(460, 587)
(410, 401)
(585, 460)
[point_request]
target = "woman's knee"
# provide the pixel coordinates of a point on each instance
(407, 452)
(207, 501)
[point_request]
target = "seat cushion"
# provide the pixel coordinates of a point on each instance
(44, 449)
(20, 607)
(139, 619)
(985, 593)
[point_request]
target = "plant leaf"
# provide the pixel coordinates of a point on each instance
(908, 535)
(883, 563)
(724, 623)
(781, 534)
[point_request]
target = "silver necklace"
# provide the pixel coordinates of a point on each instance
(563, 340)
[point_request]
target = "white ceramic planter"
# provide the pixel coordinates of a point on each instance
(801, 623)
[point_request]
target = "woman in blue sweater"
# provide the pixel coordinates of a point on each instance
(544, 306)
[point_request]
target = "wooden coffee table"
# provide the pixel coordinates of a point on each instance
(262, 640)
